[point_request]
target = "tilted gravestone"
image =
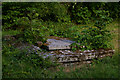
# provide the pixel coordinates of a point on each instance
(54, 44)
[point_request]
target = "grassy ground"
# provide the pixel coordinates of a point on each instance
(114, 27)
(106, 68)
(10, 32)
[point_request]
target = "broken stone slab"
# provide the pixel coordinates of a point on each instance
(53, 44)
(68, 56)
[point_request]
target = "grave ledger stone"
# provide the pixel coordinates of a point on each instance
(53, 44)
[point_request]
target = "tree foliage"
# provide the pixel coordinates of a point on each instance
(80, 12)
(28, 17)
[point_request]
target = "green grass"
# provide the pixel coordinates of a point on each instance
(10, 32)
(114, 27)
(106, 68)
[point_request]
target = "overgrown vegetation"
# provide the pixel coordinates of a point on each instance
(86, 23)
(21, 66)
(29, 16)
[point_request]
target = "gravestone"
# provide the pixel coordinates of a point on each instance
(53, 44)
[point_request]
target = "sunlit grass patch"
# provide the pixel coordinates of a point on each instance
(114, 29)
(10, 32)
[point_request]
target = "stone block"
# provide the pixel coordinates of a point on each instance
(58, 44)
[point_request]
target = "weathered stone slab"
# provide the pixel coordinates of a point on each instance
(54, 44)
(67, 56)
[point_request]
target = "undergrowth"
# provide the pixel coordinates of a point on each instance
(30, 66)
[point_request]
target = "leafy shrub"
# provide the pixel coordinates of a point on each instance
(56, 12)
(113, 8)
(59, 29)
(42, 11)
(81, 14)
(11, 13)
(94, 38)
(97, 36)
(33, 29)
(36, 34)
(103, 18)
